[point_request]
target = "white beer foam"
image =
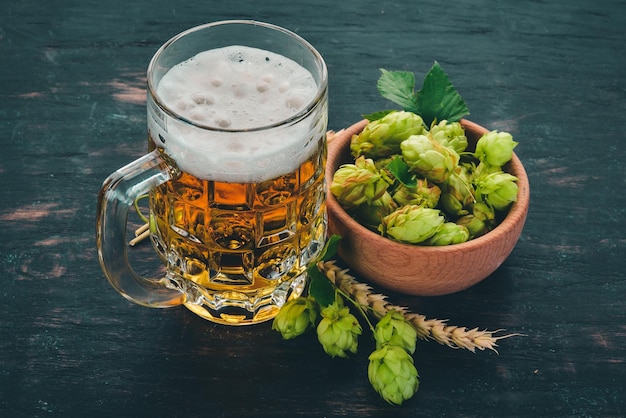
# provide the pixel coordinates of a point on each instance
(237, 87)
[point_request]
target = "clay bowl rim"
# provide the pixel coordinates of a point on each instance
(338, 149)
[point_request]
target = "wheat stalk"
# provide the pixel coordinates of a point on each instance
(427, 329)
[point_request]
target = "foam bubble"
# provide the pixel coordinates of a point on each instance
(283, 87)
(238, 88)
(202, 98)
(222, 122)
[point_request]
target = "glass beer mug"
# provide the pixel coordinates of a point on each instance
(237, 118)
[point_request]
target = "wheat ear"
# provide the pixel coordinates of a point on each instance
(427, 329)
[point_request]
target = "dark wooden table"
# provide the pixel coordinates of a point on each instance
(72, 110)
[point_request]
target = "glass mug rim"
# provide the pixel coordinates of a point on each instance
(303, 114)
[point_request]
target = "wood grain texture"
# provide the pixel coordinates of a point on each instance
(72, 110)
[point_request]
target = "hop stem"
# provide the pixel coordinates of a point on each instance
(427, 329)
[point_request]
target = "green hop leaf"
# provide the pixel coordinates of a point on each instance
(401, 171)
(330, 248)
(398, 87)
(320, 287)
(392, 374)
(377, 115)
(436, 101)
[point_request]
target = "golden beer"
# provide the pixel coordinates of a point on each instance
(246, 245)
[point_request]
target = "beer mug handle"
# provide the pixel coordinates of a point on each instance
(116, 197)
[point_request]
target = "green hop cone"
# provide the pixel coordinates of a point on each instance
(424, 194)
(483, 212)
(429, 158)
(495, 148)
(381, 163)
(295, 317)
(483, 169)
(452, 206)
(392, 374)
(355, 184)
(371, 214)
(411, 224)
(460, 187)
(450, 233)
(394, 329)
(450, 134)
(338, 330)
(498, 189)
(475, 226)
(382, 137)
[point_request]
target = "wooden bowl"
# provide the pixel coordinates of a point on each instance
(422, 270)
